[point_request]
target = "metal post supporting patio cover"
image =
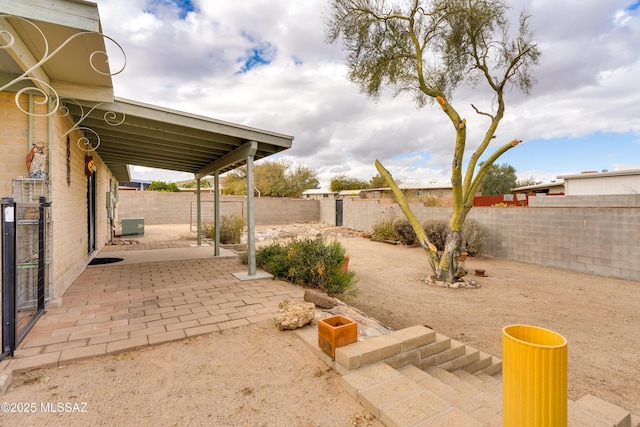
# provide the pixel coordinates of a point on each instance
(251, 236)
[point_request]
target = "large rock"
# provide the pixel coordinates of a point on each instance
(320, 299)
(293, 315)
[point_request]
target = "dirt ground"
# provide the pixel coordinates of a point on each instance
(259, 376)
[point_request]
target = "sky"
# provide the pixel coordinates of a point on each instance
(266, 64)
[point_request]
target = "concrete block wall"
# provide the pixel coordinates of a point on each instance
(607, 200)
(327, 211)
(363, 214)
(276, 210)
(593, 240)
(601, 241)
(174, 208)
(180, 208)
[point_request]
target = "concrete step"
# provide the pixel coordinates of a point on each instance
(427, 381)
(597, 412)
(479, 398)
(461, 389)
(487, 383)
(396, 399)
(429, 354)
(455, 351)
(469, 357)
(495, 368)
(416, 377)
(484, 361)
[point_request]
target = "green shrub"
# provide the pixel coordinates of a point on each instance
(309, 262)
(437, 231)
(404, 232)
(231, 227)
(273, 258)
(474, 234)
(383, 230)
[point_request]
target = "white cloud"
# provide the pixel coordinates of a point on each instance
(587, 81)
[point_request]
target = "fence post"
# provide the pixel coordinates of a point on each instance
(9, 313)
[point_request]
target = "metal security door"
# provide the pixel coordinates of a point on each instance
(25, 261)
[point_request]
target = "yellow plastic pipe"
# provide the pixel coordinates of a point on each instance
(534, 377)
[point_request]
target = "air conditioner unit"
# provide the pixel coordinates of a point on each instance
(132, 226)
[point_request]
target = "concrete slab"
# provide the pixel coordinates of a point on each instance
(161, 255)
(243, 276)
(155, 295)
(413, 410)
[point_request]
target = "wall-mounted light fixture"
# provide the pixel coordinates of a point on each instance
(89, 165)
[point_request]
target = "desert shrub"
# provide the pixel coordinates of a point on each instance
(437, 231)
(404, 232)
(474, 234)
(273, 258)
(309, 262)
(383, 230)
(231, 227)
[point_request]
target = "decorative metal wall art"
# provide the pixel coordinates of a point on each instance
(46, 94)
(68, 162)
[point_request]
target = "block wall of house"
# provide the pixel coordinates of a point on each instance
(14, 140)
(69, 206)
(68, 199)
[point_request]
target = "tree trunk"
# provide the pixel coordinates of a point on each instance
(447, 267)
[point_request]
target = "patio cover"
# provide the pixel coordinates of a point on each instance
(148, 135)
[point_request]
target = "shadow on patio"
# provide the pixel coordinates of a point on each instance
(162, 291)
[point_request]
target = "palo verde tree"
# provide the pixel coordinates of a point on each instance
(428, 48)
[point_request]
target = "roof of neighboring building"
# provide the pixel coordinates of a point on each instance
(434, 186)
(318, 191)
(602, 174)
(350, 192)
(546, 184)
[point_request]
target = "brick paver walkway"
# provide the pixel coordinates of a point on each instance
(114, 308)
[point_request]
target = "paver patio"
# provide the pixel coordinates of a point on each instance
(157, 294)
